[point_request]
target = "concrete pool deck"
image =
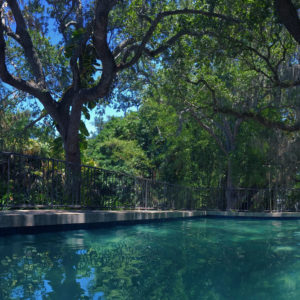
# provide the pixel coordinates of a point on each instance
(30, 221)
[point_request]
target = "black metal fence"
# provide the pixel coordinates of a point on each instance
(29, 181)
(268, 199)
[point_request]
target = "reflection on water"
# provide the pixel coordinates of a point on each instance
(211, 259)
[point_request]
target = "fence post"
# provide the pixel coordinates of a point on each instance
(146, 194)
(270, 204)
(8, 179)
(52, 183)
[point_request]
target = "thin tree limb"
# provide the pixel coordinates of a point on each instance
(141, 47)
(259, 118)
(31, 124)
(26, 42)
(26, 86)
(248, 114)
(117, 51)
(208, 130)
(172, 40)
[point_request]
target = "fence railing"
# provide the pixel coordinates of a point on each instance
(30, 181)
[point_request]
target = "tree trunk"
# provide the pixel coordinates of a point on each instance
(72, 151)
(229, 192)
(73, 170)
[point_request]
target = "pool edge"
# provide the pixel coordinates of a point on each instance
(36, 221)
(253, 215)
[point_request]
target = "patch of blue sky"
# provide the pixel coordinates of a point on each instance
(109, 112)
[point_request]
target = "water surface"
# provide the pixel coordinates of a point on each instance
(213, 259)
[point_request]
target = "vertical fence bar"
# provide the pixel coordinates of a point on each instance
(52, 183)
(8, 180)
(146, 194)
(270, 204)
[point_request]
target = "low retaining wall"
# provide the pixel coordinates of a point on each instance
(22, 221)
(31, 221)
(253, 215)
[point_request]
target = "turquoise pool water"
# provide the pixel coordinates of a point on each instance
(211, 259)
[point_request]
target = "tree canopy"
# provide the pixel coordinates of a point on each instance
(74, 55)
(215, 83)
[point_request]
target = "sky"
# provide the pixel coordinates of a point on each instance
(109, 112)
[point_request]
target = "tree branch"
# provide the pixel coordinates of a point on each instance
(259, 118)
(212, 91)
(288, 84)
(26, 42)
(31, 124)
(172, 40)
(74, 23)
(266, 59)
(161, 16)
(103, 52)
(237, 126)
(145, 17)
(208, 130)
(29, 87)
(117, 51)
(289, 17)
(62, 26)
(10, 33)
(247, 114)
(274, 69)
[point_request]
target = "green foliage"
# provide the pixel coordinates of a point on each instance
(219, 65)
(115, 149)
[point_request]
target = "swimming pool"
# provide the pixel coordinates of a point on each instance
(203, 258)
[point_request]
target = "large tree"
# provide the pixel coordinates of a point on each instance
(97, 39)
(71, 69)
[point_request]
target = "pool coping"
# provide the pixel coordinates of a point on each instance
(284, 215)
(35, 221)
